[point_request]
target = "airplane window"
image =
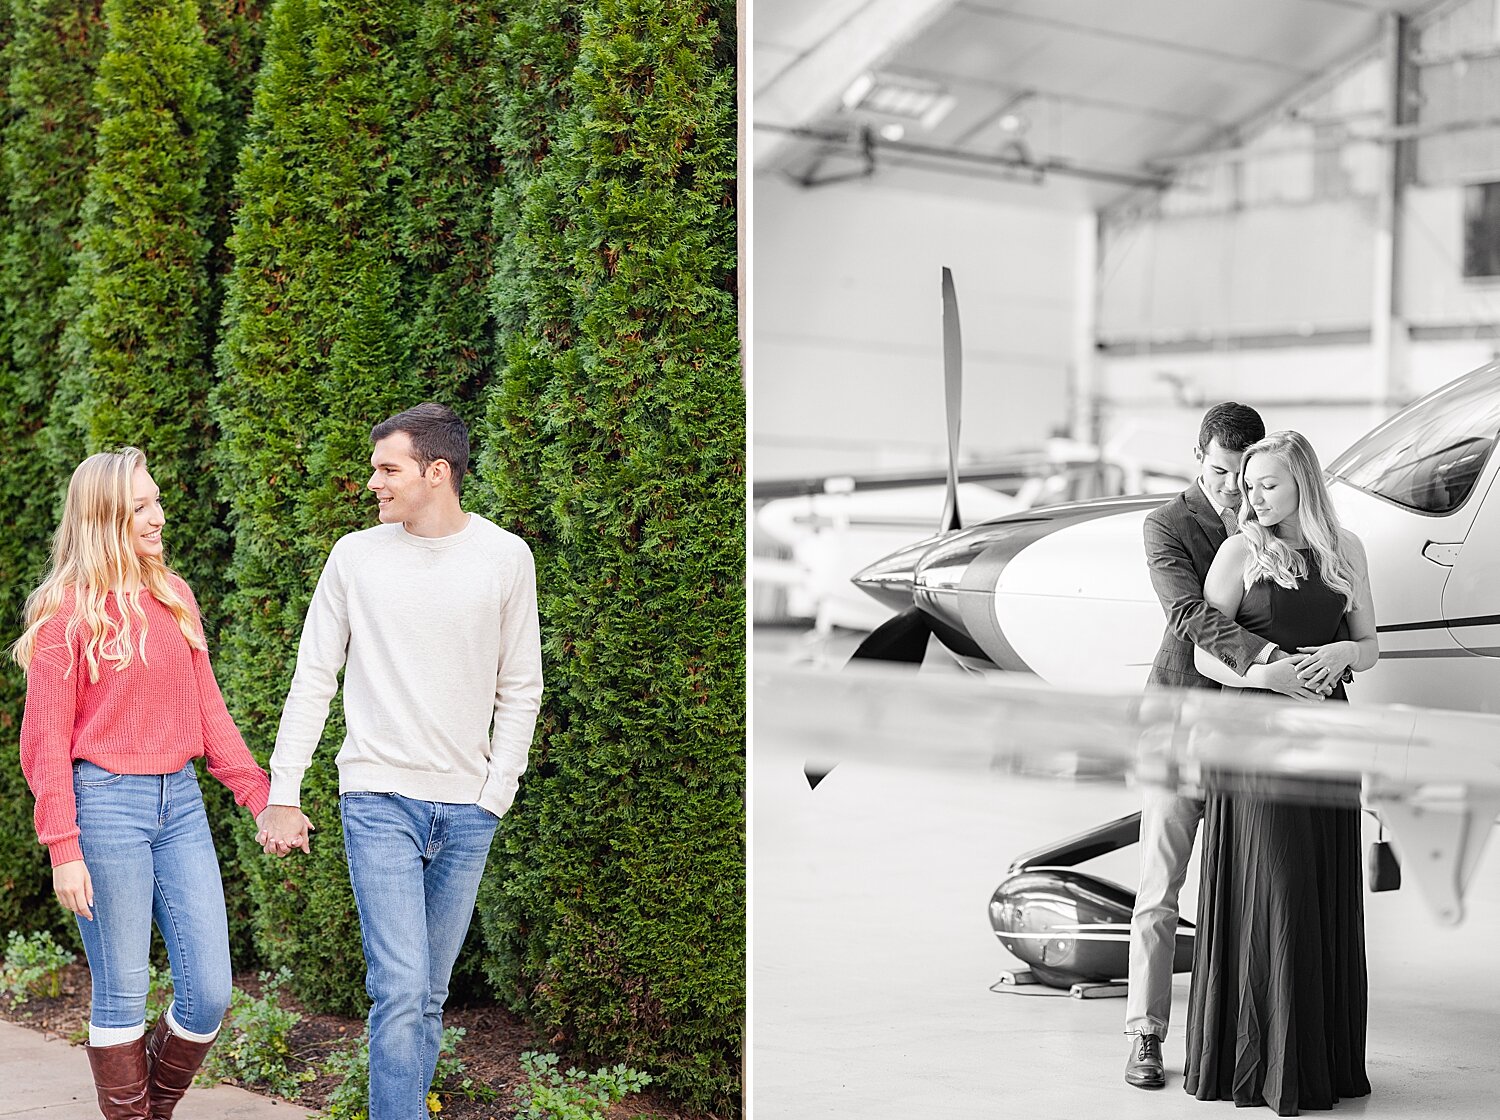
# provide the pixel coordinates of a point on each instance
(1428, 457)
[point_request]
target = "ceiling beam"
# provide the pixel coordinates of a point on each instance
(1084, 29)
(1043, 93)
(1374, 9)
(865, 143)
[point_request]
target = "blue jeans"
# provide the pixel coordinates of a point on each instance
(415, 866)
(146, 844)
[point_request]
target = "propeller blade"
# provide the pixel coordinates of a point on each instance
(953, 393)
(901, 638)
(815, 774)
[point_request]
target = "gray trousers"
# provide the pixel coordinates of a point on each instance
(1169, 824)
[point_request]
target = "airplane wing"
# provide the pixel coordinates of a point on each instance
(1432, 775)
(1008, 471)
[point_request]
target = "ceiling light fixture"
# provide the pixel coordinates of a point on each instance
(909, 99)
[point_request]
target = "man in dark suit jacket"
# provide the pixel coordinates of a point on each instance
(1181, 539)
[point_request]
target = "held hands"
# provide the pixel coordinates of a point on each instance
(74, 887)
(282, 828)
(1323, 667)
(1284, 674)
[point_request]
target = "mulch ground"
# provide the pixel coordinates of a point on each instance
(491, 1050)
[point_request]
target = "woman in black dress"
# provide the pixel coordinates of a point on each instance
(1277, 1009)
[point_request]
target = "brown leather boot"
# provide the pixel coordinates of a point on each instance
(173, 1060)
(120, 1079)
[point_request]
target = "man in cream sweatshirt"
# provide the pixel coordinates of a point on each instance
(432, 616)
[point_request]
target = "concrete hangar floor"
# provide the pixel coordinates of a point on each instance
(873, 958)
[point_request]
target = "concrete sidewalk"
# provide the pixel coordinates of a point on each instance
(46, 1078)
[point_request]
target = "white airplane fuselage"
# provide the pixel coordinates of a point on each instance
(1078, 605)
(1065, 592)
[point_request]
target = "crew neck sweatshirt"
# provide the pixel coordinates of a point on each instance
(441, 651)
(151, 717)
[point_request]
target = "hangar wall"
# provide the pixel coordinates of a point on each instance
(848, 334)
(1259, 277)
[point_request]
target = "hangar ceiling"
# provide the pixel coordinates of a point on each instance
(1068, 103)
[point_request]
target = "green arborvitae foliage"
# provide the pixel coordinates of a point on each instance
(443, 218)
(359, 289)
(47, 125)
(442, 212)
(615, 438)
(235, 31)
(524, 208)
(143, 340)
(311, 177)
(145, 362)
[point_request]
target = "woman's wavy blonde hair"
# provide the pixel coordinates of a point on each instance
(1272, 558)
(93, 553)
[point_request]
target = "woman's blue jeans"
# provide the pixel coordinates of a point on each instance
(146, 844)
(415, 866)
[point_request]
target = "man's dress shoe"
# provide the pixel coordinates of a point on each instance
(1144, 1068)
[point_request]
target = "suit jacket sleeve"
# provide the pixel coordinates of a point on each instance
(1180, 589)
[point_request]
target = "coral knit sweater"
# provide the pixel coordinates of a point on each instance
(151, 717)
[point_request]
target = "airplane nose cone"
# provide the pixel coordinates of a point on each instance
(892, 580)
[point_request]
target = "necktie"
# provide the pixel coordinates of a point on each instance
(1231, 525)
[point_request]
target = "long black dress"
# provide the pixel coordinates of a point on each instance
(1279, 996)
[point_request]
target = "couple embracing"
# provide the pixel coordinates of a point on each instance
(432, 617)
(1264, 591)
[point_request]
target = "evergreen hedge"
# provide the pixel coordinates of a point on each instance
(143, 355)
(615, 437)
(524, 208)
(233, 31)
(142, 344)
(359, 288)
(47, 125)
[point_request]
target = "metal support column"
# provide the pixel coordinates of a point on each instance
(1083, 388)
(1388, 330)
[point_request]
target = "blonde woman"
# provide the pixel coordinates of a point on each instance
(120, 698)
(1278, 1003)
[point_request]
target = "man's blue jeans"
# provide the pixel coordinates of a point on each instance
(146, 844)
(415, 866)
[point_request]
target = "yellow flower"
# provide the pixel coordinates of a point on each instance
(433, 1104)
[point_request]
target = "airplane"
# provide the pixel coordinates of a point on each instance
(1419, 490)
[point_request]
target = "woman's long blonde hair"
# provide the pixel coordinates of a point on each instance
(93, 553)
(1272, 558)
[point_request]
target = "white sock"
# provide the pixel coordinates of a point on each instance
(114, 1036)
(176, 1028)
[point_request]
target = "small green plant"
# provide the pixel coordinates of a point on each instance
(350, 1098)
(159, 995)
(351, 1064)
(572, 1095)
(255, 1047)
(33, 966)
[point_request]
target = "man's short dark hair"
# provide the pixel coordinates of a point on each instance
(1235, 426)
(436, 433)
